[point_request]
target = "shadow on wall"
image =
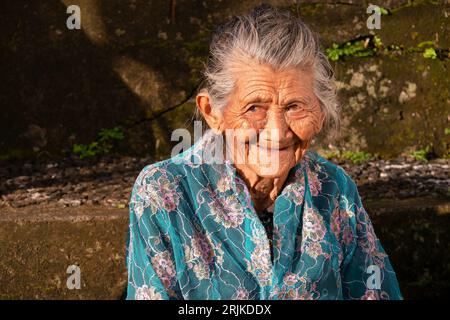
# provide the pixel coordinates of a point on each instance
(133, 59)
(62, 86)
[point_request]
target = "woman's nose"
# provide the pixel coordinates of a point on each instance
(276, 128)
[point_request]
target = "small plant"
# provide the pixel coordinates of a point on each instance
(368, 46)
(378, 44)
(383, 11)
(349, 49)
(365, 47)
(430, 53)
(425, 44)
(103, 145)
(16, 154)
(428, 49)
(331, 155)
(115, 133)
(421, 154)
(357, 157)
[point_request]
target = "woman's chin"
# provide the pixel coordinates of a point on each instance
(273, 170)
(273, 165)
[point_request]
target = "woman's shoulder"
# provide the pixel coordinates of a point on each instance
(330, 171)
(158, 189)
(170, 169)
(172, 177)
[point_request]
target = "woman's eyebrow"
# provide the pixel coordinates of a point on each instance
(257, 99)
(297, 99)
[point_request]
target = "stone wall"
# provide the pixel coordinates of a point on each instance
(133, 60)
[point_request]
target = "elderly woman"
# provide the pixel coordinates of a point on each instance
(287, 225)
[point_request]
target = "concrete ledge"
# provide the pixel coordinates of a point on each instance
(36, 249)
(38, 245)
(416, 205)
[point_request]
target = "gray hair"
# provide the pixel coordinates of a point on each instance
(277, 38)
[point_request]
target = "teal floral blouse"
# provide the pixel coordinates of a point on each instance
(194, 234)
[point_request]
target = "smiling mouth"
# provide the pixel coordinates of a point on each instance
(277, 148)
(265, 149)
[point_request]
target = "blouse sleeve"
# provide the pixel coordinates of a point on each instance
(366, 270)
(150, 259)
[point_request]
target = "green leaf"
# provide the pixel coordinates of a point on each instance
(430, 53)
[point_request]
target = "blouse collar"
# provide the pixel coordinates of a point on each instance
(200, 154)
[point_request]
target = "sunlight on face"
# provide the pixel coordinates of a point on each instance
(283, 111)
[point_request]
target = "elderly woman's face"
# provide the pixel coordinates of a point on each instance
(282, 109)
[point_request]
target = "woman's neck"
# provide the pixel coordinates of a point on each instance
(263, 190)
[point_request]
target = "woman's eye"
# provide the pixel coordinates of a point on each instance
(256, 112)
(294, 107)
(253, 108)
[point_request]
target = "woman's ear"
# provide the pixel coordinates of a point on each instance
(212, 118)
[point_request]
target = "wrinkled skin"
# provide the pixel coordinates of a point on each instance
(281, 107)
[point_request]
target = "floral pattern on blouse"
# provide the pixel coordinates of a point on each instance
(194, 234)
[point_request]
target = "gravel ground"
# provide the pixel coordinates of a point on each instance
(70, 182)
(107, 182)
